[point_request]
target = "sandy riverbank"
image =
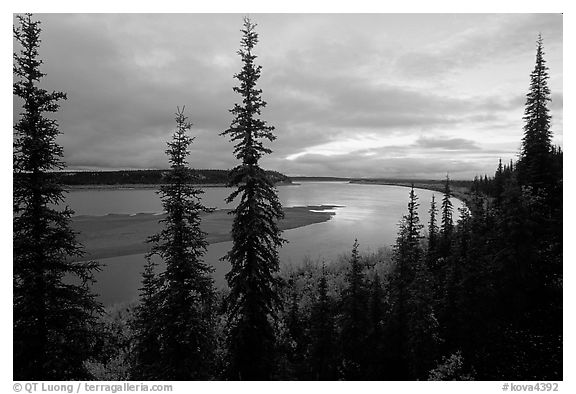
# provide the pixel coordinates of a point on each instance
(120, 235)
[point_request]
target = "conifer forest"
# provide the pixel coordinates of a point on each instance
(473, 292)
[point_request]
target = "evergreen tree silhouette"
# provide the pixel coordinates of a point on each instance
(54, 309)
(407, 256)
(354, 319)
(432, 232)
(535, 164)
(253, 299)
(146, 361)
(185, 292)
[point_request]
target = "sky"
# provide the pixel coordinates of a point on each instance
(352, 95)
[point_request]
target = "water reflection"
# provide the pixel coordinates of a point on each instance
(369, 213)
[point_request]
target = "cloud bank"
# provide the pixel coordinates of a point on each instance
(350, 95)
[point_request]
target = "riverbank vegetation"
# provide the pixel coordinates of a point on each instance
(151, 177)
(476, 298)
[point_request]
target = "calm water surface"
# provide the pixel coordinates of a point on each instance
(370, 213)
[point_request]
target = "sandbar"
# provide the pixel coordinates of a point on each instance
(116, 235)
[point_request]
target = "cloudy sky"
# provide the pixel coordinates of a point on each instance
(375, 95)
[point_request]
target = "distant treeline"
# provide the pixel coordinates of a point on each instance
(320, 179)
(150, 177)
(459, 187)
(438, 183)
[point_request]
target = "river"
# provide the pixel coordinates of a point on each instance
(370, 213)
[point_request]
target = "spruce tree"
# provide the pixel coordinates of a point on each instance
(432, 254)
(422, 324)
(185, 293)
(407, 250)
(407, 256)
(432, 228)
(535, 164)
(145, 364)
(502, 303)
(54, 310)
(540, 176)
(415, 295)
(413, 226)
(321, 355)
(253, 299)
(499, 183)
(446, 225)
(528, 244)
(354, 319)
(375, 343)
(295, 326)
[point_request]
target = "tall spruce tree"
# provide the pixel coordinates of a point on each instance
(407, 255)
(415, 295)
(253, 298)
(432, 228)
(502, 303)
(185, 293)
(432, 254)
(407, 250)
(354, 319)
(499, 183)
(529, 243)
(413, 227)
(54, 310)
(446, 225)
(535, 164)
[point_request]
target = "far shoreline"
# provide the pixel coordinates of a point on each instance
(458, 192)
(148, 186)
